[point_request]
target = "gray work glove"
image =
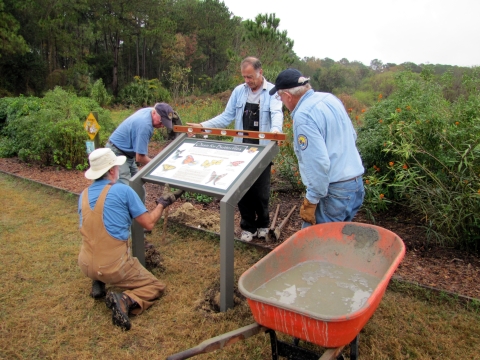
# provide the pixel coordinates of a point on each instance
(169, 198)
(166, 200)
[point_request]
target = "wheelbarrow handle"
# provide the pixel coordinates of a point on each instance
(219, 342)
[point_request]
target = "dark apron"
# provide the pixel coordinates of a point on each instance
(251, 121)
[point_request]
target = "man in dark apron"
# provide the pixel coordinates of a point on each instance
(252, 108)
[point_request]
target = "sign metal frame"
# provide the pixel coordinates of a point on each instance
(229, 197)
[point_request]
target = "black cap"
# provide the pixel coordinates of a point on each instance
(288, 79)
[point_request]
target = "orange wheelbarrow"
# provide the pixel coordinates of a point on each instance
(321, 286)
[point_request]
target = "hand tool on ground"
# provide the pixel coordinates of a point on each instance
(274, 232)
(271, 230)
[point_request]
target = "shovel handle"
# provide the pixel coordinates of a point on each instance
(274, 220)
(287, 217)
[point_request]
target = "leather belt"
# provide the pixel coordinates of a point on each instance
(123, 153)
(342, 181)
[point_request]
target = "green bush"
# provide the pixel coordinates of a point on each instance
(423, 152)
(99, 94)
(50, 130)
(286, 162)
(12, 109)
(141, 93)
(223, 81)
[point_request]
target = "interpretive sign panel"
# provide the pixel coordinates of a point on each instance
(206, 164)
(224, 170)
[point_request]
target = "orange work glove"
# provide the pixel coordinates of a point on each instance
(307, 212)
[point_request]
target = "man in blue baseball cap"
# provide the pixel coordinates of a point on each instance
(324, 143)
(132, 136)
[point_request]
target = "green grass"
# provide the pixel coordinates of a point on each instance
(119, 115)
(46, 312)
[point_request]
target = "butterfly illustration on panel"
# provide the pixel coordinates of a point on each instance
(167, 167)
(214, 177)
(177, 154)
(236, 163)
(208, 163)
(217, 178)
(189, 160)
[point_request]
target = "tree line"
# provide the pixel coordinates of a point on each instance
(188, 46)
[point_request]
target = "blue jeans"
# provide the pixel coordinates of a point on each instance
(342, 202)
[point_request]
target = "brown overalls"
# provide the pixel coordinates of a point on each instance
(104, 258)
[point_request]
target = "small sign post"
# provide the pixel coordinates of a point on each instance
(92, 128)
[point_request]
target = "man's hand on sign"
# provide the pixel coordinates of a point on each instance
(193, 125)
(277, 132)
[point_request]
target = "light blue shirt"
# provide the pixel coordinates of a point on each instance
(324, 142)
(122, 205)
(133, 134)
(271, 115)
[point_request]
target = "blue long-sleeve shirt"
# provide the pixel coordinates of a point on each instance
(271, 115)
(324, 143)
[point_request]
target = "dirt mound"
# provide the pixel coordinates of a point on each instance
(202, 219)
(210, 303)
(153, 259)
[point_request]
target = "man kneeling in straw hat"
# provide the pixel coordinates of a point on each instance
(106, 210)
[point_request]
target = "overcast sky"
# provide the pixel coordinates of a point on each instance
(393, 31)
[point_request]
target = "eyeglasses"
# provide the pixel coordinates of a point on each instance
(278, 95)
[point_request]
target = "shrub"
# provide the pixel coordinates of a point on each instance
(286, 161)
(422, 151)
(99, 94)
(141, 92)
(50, 130)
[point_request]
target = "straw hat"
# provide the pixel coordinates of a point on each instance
(102, 160)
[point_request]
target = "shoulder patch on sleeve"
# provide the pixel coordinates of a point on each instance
(302, 141)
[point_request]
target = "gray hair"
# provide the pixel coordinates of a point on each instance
(299, 90)
(256, 64)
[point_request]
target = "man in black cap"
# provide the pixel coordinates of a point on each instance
(132, 136)
(324, 143)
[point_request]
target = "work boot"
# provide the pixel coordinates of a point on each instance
(120, 304)
(98, 289)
